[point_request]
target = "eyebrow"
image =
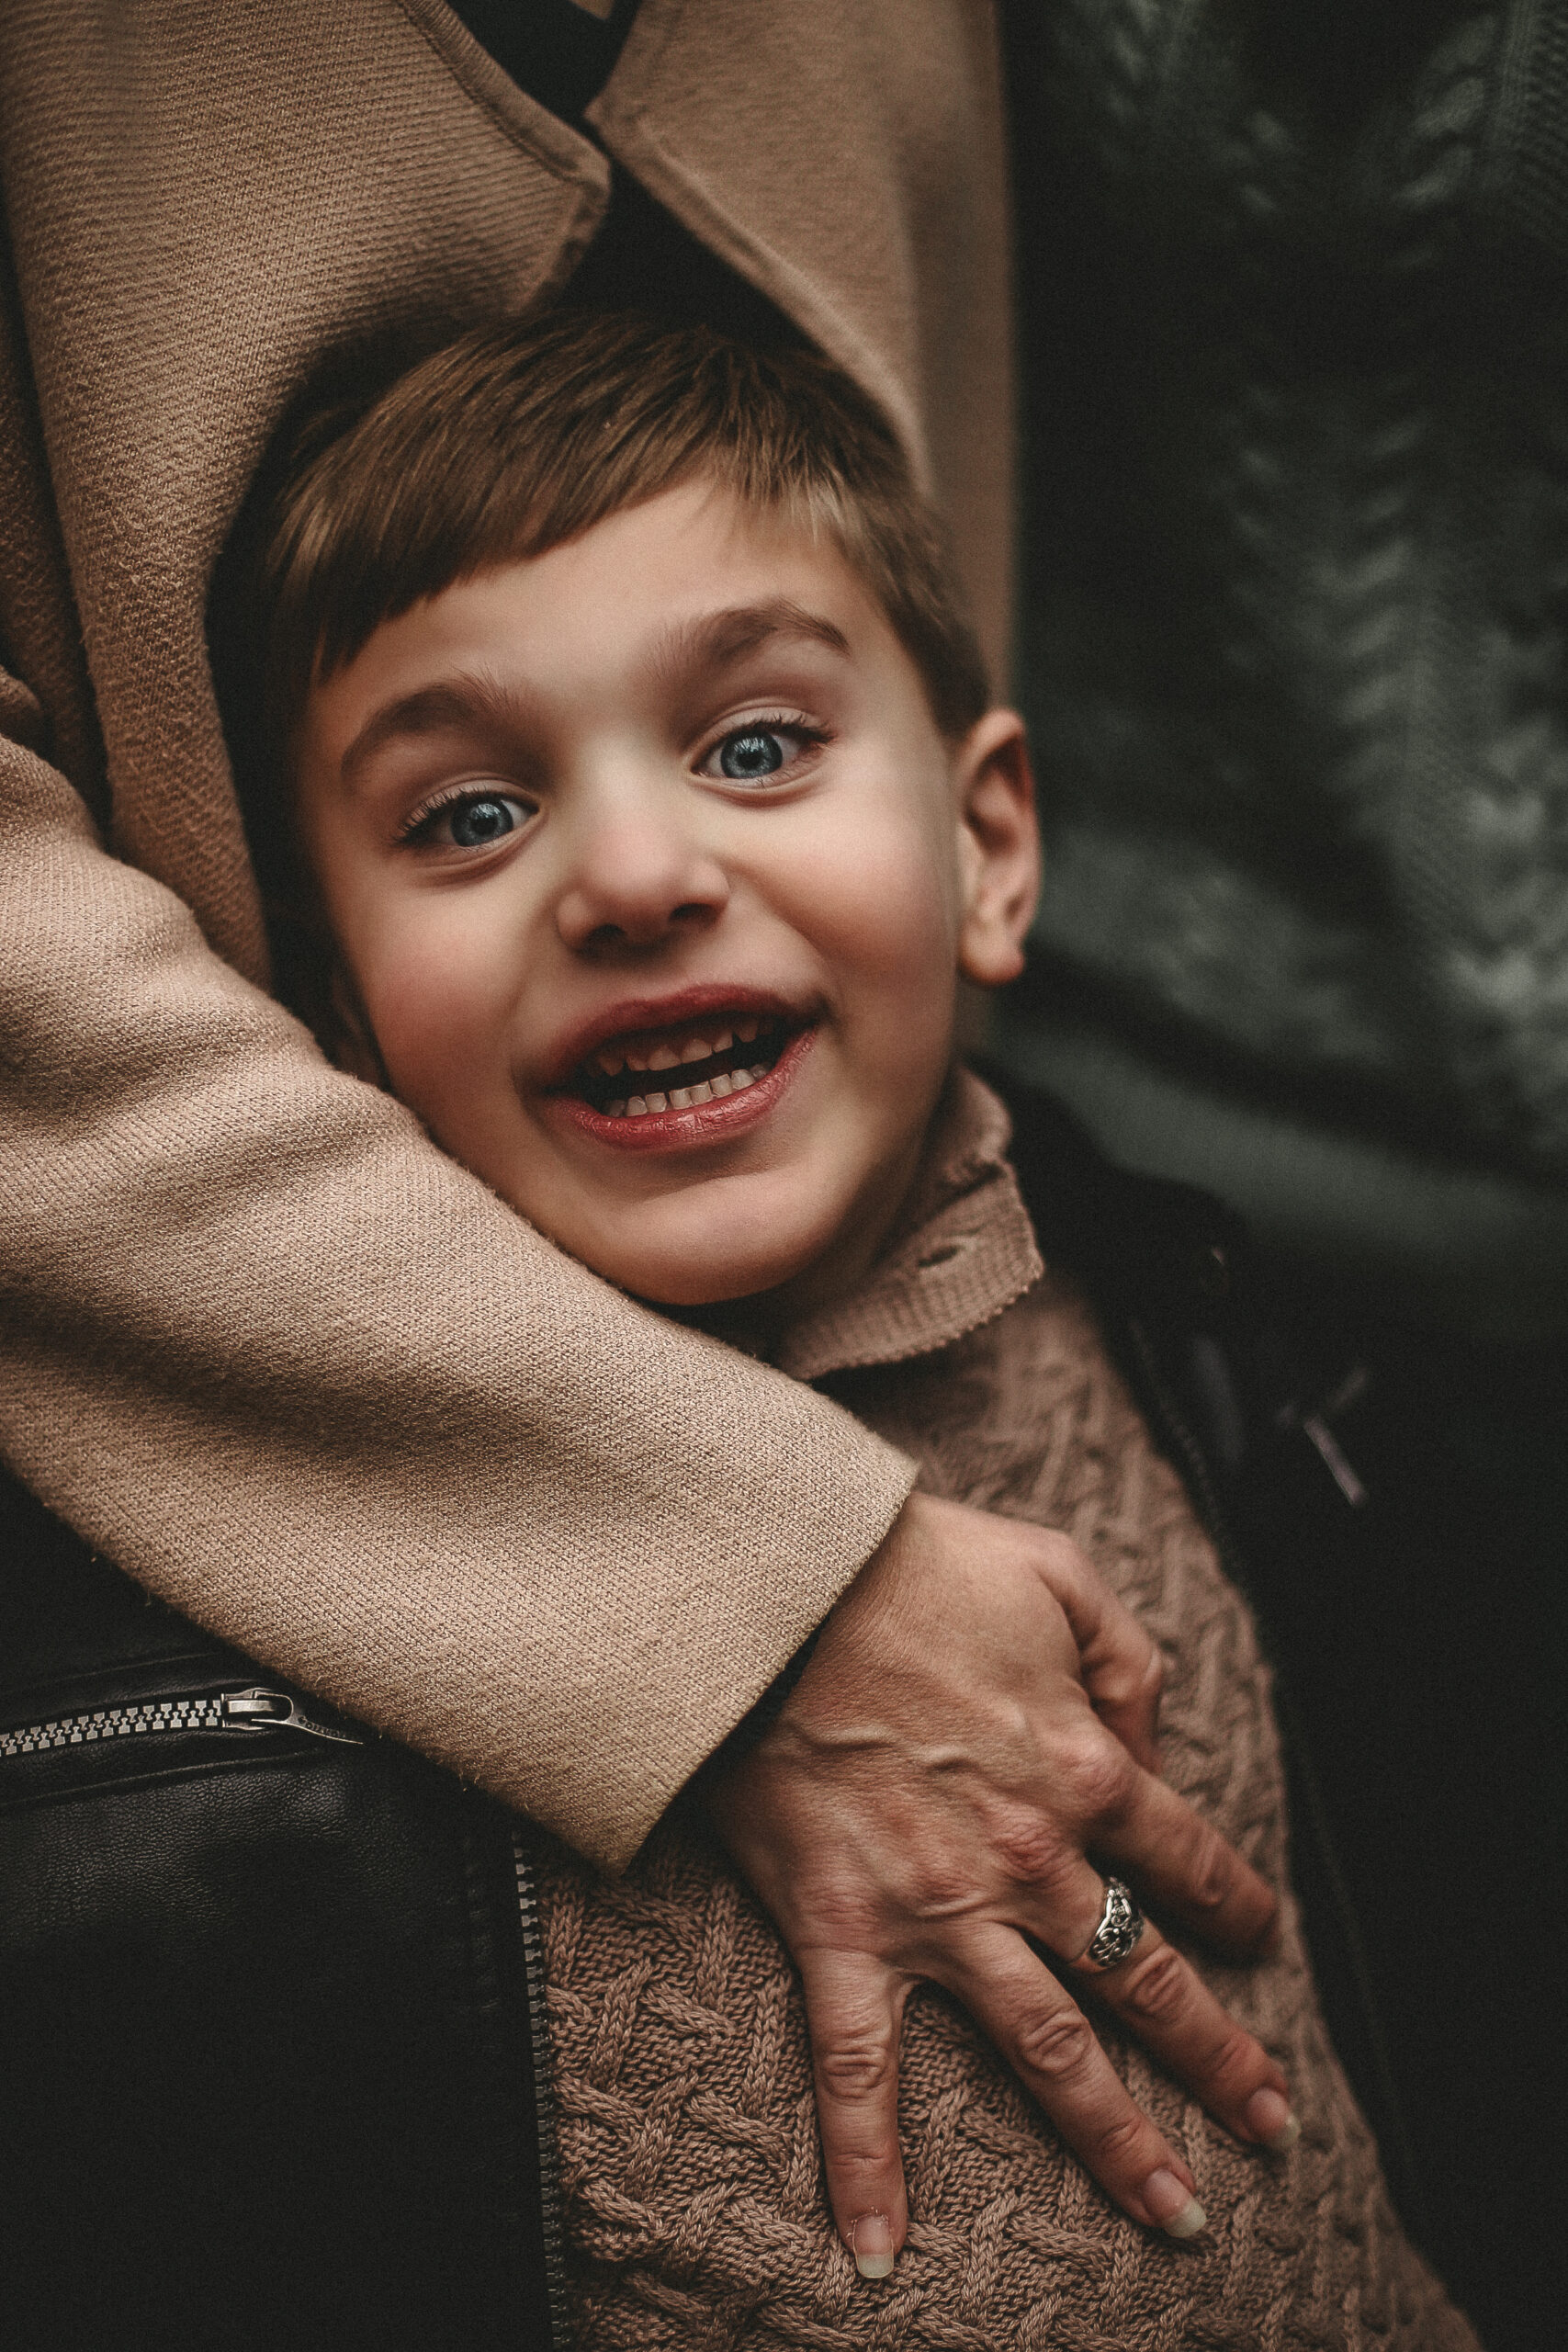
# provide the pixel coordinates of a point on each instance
(683, 651)
(718, 639)
(466, 701)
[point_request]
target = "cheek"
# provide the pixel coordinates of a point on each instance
(434, 997)
(881, 905)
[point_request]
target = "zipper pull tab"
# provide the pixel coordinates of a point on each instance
(262, 1710)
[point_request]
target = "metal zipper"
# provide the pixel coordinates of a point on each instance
(233, 1711)
(546, 2113)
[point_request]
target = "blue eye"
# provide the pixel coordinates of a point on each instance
(759, 751)
(475, 824)
(752, 754)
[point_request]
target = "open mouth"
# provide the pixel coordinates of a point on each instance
(681, 1067)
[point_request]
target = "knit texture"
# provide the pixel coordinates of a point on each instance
(1297, 525)
(695, 2209)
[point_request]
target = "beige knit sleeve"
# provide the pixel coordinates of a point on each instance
(272, 1352)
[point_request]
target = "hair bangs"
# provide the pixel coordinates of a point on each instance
(517, 440)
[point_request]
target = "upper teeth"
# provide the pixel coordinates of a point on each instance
(697, 1046)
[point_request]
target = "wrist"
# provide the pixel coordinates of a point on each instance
(763, 1714)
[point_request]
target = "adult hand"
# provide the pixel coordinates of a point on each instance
(979, 1709)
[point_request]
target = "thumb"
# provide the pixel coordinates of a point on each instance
(854, 2008)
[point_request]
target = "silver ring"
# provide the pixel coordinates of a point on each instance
(1121, 1925)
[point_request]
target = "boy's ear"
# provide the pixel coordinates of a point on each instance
(999, 848)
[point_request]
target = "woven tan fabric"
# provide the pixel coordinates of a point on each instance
(695, 2208)
(262, 1344)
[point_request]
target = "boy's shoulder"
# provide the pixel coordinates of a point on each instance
(1141, 1244)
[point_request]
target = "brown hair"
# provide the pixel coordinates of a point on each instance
(514, 440)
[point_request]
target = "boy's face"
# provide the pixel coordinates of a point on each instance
(654, 876)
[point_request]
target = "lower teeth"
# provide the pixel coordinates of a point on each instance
(686, 1097)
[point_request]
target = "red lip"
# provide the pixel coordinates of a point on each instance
(639, 1013)
(710, 1123)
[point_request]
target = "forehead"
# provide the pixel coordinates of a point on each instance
(686, 585)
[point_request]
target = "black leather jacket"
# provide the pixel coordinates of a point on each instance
(273, 2057)
(274, 2064)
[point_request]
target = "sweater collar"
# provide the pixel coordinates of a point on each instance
(962, 1250)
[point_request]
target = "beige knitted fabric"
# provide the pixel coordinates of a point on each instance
(697, 2216)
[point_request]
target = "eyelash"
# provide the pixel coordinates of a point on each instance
(769, 722)
(425, 816)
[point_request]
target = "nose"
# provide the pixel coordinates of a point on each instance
(637, 874)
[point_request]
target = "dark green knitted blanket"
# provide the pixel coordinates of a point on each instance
(1295, 300)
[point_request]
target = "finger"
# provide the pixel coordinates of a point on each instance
(1050, 2043)
(1122, 1671)
(854, 2009)
(1164, 2001)
(1187, 1869)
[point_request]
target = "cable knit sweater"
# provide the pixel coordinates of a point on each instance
(1295, 299)
(695, 2209)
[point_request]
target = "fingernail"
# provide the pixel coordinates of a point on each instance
(1173, 2206)
(1270, 2119)
(870, 2242)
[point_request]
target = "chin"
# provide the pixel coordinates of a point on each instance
(683, 1285)
(779, 1231)
(704, 1271)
